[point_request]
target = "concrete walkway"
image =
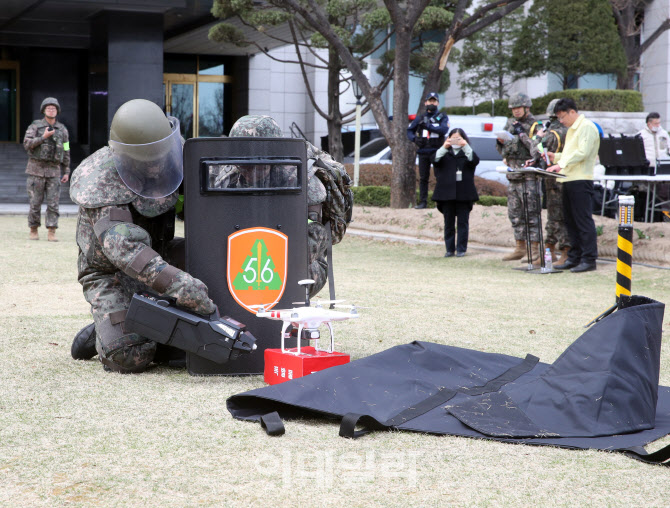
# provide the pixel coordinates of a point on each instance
(22, 209)
(71, 211)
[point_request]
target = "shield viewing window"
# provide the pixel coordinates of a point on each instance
(245, 175)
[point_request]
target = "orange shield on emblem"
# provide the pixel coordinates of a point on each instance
(257, 259)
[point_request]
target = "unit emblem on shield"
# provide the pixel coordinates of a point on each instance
(257, 260)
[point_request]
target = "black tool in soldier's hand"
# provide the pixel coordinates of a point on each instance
(517, 128)
(213, 337)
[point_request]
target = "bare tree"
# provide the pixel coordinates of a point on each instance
(346, 16)
(463, 25)
(629, 16)
(403, 16)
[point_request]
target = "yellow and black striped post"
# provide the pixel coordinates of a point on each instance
(624, 258)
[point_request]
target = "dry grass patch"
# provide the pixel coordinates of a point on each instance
(71, 434)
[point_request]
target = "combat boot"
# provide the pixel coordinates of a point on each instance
(33, 233)
(83, 345)
(534, 253)
(518, 252)
(552, 249)
(52, 235)
(564, 254)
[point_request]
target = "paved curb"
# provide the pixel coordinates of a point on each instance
(22, 209)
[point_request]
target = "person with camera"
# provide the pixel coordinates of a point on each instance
(427, 132)
(455, 191)
(515, 150)
(48, 147)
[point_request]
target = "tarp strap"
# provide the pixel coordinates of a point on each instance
(511, 374)
(660, 457)
(272, 424)
(443, 395)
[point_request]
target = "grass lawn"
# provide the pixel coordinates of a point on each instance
(72, 434)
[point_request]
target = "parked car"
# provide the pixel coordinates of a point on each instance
(480, 130)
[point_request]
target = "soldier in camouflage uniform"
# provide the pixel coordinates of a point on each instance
(126, 194)
(320, 210)
(552, 139)
(515, 152)
(48, 146)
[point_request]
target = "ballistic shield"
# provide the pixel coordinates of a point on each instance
(245, 207)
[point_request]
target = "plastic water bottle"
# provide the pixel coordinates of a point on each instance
(548, 266)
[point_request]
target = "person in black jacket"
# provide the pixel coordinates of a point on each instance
(427, 132)
(455, 191)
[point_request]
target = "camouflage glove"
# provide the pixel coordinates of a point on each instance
(191, 293)
(517, 128)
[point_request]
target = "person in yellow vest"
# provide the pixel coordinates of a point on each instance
(48, 147)
(576, 161)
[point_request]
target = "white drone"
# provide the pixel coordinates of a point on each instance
(309, 319)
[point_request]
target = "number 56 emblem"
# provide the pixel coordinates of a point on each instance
(256, 273)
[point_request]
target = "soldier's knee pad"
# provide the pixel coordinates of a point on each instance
(126, 354)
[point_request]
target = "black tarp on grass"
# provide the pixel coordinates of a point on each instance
(601, 393)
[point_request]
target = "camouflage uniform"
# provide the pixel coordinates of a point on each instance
(116, 230)
(323, 207)
(516, 152)
(553, 141)
(49, 161)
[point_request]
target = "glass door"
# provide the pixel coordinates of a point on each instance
(180, 101)
(200, 101)
(9, 86)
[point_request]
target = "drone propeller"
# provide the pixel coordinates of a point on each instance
(326, 302)
(351, 306)
(318, 303)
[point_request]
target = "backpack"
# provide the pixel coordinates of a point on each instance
(338, 205)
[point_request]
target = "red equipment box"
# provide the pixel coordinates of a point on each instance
(280, 367)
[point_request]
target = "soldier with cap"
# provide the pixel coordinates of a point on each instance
(551, 138)
(48, 147)
(427, 132)
(515, 150)
(126, 194)
(328, 212)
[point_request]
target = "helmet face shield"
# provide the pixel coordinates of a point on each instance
(152, 170)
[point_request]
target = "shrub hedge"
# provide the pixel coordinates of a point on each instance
(377, 195)
(380, 175)
(625, 101)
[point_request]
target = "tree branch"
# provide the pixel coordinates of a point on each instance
(304, 76)
(470, 27)
(657, 33)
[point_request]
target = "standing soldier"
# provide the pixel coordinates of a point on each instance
(552, 139)
(515, 151)
(427, 132)
(48, 146)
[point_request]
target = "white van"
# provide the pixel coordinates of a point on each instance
(481, 131)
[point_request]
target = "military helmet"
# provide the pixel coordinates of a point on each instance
(50, 101)
(518, 100)
(138, 122)
(551, 106)
(147, 149)
(261, 126)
